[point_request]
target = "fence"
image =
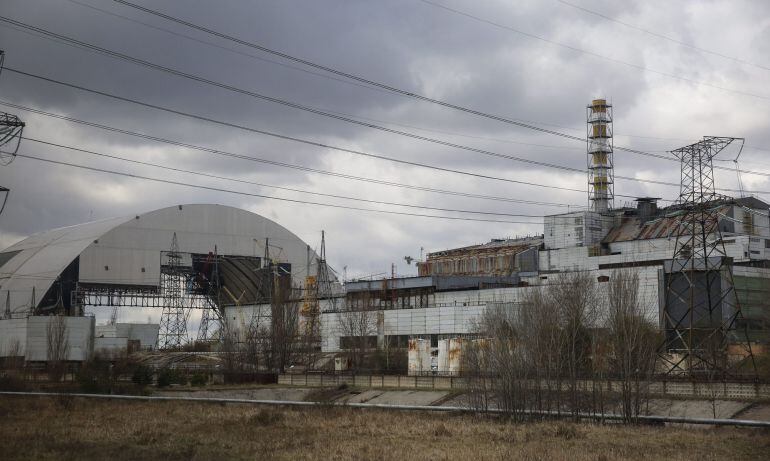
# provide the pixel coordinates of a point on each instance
(725, 390)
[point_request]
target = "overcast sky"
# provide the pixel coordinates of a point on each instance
(407, 44)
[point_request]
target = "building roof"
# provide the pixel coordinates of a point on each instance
(126, 251)
(514, 245)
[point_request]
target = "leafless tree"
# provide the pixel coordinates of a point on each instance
(229, 349)
(478, 374)
(357, 324)
(255, 341)
(284, 324)
(14, 356)
(577, 302)
(633, 338)
(542, 338)
(57, 342)
(310, 332)
(497, 365)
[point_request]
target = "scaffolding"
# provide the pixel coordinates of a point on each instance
(705, 334)
(599, 144)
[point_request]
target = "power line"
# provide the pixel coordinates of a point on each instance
(377, 85)
(325, 113)
(368, 87)
(584, 51)
(322, 67)
(337, 116)
(153, 106)
(201, 28)
(268, 197)
(279, 101)
(665, 37)
(411, 135)
(276, 163)
(243, 181)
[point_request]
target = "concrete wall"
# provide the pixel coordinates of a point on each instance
(146, 333)
(581, 228)
(13, 337)
(80, 333)
(110, 347)
(454, 312)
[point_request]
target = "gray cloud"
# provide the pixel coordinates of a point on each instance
(406, 44)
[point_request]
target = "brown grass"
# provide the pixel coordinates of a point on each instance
(70, 428)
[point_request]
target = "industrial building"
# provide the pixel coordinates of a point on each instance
(661, 245)
(231, 265)
(210, 258)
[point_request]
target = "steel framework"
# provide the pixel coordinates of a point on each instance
(599, 144)
(211, 320)
(701, 314)
(11, 128)
(173, 320)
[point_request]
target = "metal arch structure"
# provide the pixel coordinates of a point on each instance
(705, 335)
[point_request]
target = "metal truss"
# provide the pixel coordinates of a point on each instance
(701, 313)
(210, 328)
(173, 320)
(600, 166)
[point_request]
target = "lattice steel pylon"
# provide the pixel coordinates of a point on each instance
(701, 312)
(11, 128)
(173, 320)
(211, 321)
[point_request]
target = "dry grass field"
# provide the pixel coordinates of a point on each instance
(71, 428)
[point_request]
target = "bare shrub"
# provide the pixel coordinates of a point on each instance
(577, 306)
(633, 338)
(357, 323)
(57, 342)
(568, 431)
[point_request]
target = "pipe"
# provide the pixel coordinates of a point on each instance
(456, 409)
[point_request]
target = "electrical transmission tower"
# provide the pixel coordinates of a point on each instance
(173, 320)
(211, 322)
(702, 314)
(11, 128)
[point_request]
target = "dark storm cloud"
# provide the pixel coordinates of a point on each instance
(407, 44)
